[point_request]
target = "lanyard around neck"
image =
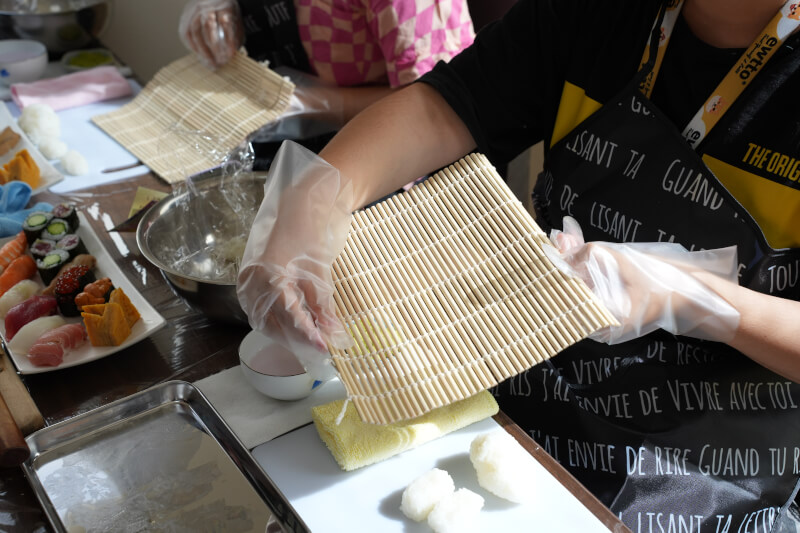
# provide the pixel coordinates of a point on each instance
(736, 80)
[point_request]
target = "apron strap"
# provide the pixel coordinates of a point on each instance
(751, 62)
(659, 39)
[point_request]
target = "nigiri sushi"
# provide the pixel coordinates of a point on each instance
(16, 294)
(30, 332)
(12, 249)
(49, 349)
(34, 307)
(23, 267)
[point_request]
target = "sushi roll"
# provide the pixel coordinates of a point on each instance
(41, 247)
(73, 244)
(35, 223)
(67, 212)
(55, 229)
(49, 265)
(68, 285)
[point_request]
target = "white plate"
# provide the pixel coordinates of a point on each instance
(150, 322)
(50, 176)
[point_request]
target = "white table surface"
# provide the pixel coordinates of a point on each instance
(368, 499)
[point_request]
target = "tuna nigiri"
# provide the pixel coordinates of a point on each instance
(30, 332)
(23, 267)
(17, 294)
(34, 307)
(12, 249)
(49, 349)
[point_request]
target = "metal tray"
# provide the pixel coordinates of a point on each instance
(159, 460)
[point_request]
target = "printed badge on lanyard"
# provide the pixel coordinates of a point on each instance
(736, 80)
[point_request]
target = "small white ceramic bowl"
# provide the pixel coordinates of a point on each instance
(273, 370)
(21, 61)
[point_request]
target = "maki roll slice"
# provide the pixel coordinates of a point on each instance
(67, 212)
(55, 229)
(68, 285)
(41, 247)
(73, 244)
(35, 223)
(49, 265)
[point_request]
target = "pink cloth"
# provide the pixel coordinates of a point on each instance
(73, 90)
(355, 42)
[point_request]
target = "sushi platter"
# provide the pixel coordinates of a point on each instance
(149, 320)
(48, 173)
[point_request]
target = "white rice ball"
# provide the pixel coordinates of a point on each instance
(504, 467)
(52, 147)
(74, 163)
(458, 512)
(39, 121)
(422, 494)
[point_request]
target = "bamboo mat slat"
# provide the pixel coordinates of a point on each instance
(446, 291)
(188, 118)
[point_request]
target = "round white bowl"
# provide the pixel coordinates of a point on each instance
(21, 61)
(273, 370)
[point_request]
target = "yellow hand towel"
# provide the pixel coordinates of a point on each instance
(354, 443)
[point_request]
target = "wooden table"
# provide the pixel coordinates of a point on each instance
(188, 348)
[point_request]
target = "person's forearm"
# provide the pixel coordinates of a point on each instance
(405, 135)
(357, 99)
(767, 331)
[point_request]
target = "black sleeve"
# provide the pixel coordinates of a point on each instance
(271, 33)
(507, 86)
(499, 84)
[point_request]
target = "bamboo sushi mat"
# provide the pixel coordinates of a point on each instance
(188, 118)
(446, 292)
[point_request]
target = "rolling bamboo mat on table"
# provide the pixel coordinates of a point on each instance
(188, 117)
(447, 292)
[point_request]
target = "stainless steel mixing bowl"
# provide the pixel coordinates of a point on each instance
(184, 235)
(61, 25)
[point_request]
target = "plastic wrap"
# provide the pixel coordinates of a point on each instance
(315, 108)
(216, 209)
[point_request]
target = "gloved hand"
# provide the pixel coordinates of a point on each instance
(212, 29)
(315, 108)
(285, 282)
(647, 286)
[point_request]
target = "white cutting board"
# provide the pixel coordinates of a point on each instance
(368, 499)
(101, 151)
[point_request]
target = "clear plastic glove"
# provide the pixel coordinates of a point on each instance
(285, 282)
(315, 108)
(212, 29)
(648, 286)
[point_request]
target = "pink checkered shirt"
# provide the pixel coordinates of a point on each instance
(355, 42)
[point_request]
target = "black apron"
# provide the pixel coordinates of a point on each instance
(674, 434)
(272, 34)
